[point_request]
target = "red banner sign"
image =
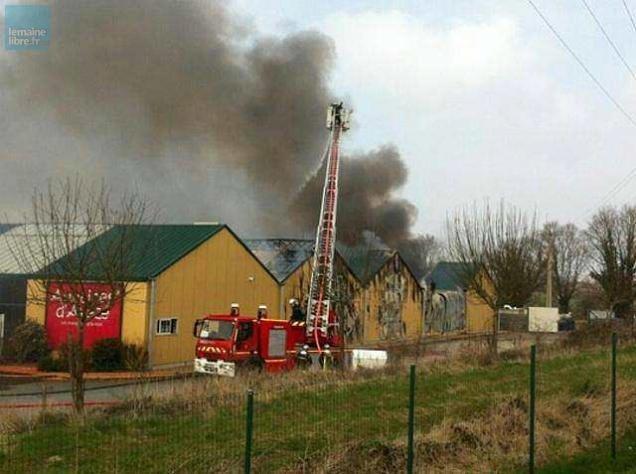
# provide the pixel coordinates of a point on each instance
(61, 319)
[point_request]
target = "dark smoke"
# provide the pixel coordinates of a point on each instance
(366, 202)
(186, 103)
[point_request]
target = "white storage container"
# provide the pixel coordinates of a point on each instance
(368, 359)
(543, 319)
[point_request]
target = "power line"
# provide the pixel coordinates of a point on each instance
(609, 40)
(621, 184)
(629, 13)
(605, 92)
(615, 190)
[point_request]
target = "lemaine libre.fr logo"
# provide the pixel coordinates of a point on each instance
(27, 27)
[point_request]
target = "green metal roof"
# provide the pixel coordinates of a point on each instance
(170, 244)
(152, 248)
(6, 227)
(448, 276)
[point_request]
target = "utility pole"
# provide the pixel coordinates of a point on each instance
(548, 289)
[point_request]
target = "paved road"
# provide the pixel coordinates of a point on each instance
(28, 398)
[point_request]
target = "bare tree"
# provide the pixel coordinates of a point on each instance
(501, 255)
(421, 253)
(81, 250)
(570, 253)
(612, 235)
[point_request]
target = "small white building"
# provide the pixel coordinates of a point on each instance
(543, 319)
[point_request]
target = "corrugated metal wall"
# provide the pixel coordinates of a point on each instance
(218, 273)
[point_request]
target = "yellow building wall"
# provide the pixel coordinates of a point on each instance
(134, 323)
(35, 306)
(219, 272)
(392, 305)
(479, 316)
(296, 286)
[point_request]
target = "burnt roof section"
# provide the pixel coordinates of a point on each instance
(281, 257)
(448, 276)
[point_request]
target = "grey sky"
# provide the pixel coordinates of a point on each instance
(480, 98)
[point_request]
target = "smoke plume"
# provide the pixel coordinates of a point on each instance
(194, 108)
(366, 202)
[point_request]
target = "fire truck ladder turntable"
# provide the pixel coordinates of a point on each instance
(324, 249)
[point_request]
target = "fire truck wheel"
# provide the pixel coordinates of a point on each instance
(256, 364)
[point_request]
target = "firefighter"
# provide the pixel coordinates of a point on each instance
(234, 309)
(262, 312)
(303, 358)
(326, 358)
(298, 315)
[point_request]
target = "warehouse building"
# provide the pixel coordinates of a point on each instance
(391, 298)
(445, 301)
(446, 289)
(188, 271)
(193, 270)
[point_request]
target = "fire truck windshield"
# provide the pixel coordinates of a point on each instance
(219, 330)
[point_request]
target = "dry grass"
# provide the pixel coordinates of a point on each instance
(211, 392)
(497, 441)
(185, 393)
(489, 437)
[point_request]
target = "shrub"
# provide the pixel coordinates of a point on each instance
(58, 361)
(135, 357)
(49, 363)
(108, 355)
(28, 342)
(590, 335)
(64, 354)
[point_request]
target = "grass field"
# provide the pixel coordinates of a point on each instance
(467, 418)
(598, 460)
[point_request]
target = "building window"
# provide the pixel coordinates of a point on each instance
(166, 326)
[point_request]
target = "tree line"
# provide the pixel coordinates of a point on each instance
(507, 256)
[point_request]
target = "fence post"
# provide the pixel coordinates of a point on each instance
(248, 431)
(533, 395)
(613, 397)
(409, 459)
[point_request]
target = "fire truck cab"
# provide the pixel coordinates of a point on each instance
(226, 342)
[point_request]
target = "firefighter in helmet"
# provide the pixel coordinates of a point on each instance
(303, 358)
(234, 309)
(325, 359)
(262, 312)
(297, 315)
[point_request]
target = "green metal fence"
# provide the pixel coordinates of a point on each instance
(470, 413)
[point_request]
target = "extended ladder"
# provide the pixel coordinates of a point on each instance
(324, 248)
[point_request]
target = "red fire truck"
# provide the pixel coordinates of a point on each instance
(226, 342)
